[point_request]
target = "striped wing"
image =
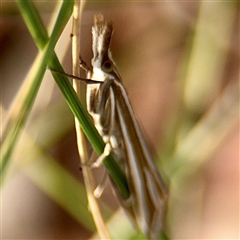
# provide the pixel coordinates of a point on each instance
(113, 116)
(148, 193)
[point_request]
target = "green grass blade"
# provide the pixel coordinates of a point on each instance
(38, 164)
(91, 132)
(35, 76)
(38, 31)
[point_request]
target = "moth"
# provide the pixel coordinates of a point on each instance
(113, 116)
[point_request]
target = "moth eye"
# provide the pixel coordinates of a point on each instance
(107, 66)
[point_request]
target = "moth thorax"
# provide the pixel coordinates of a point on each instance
(98, 74)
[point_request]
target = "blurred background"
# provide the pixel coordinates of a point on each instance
(179, 62)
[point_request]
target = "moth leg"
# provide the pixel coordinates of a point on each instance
(106, 152)
(90, 162)
(101, 186)
(83, 65)
(98, 162)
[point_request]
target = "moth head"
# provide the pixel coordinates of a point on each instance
(102, 31)
(108, 66)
